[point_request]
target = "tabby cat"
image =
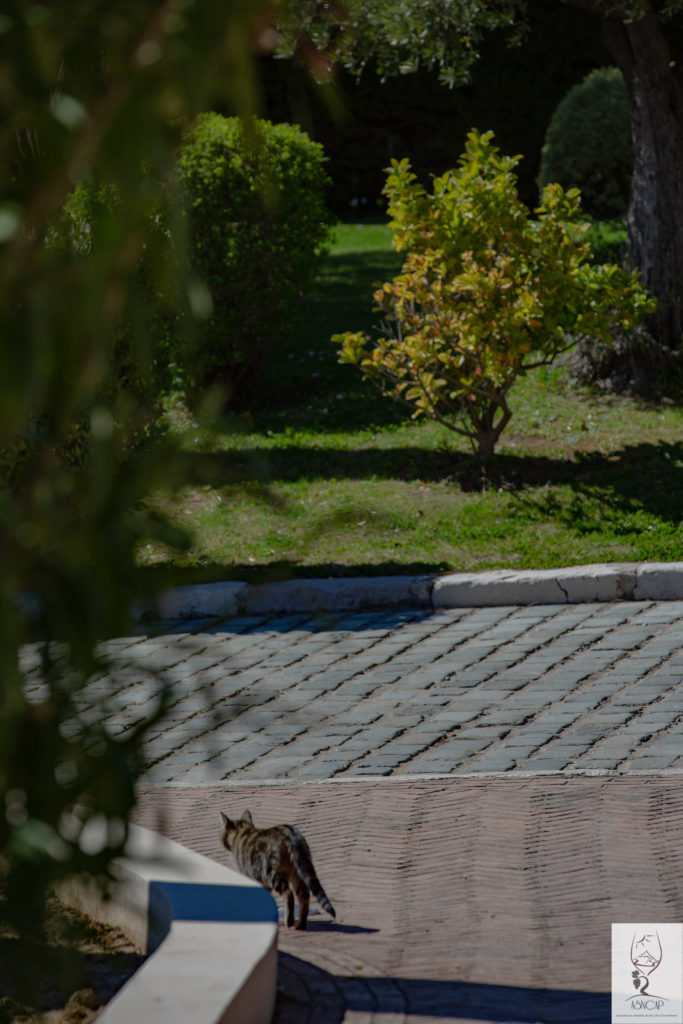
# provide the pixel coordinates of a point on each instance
(280, 859)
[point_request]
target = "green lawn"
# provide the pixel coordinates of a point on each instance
(323, 476)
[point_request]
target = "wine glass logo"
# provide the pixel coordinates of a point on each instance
(646, 956)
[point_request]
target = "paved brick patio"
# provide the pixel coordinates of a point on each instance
(459, 899)
(485, 791)
(537, 688)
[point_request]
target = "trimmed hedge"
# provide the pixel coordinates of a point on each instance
(588, 144)
(258, 226)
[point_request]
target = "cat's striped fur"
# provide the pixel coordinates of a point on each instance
(280, 859)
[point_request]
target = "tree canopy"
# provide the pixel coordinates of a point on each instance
(399, 35)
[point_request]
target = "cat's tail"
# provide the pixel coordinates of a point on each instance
(301, 855)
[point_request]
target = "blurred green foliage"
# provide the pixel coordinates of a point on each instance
(90, 90)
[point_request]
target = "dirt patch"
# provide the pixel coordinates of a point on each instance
(67, 976)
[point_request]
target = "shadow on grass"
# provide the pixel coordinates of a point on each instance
(302, 367)
(341, 298)
(650, 475)
(643, 477)
(307, 994)
(167, 575)
(282, 465)
(600, 494)
(43, 977)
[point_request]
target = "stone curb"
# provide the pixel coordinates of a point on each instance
(619, 581)
(211, 934)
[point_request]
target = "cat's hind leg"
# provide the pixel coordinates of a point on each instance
(303, 899)
(281, 885)
(289, 908)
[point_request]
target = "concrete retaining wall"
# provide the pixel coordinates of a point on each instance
(210, 932)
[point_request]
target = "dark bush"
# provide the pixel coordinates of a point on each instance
(135, 339)
(127, 381)
(608, 240)
(257, 226)
(588, 144)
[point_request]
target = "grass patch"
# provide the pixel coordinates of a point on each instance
(322, 476)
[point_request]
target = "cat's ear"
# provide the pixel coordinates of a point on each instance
(248, 818)
(225, 819)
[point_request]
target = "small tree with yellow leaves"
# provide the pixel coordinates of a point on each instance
(485, 294)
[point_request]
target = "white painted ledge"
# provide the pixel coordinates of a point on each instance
(573, 585)
(210, 932)
(610, 581)
(614, 581)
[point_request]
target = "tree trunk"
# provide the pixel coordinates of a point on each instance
(655, 216)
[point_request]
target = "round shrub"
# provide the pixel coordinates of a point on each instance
(254, 198)
(588, 144)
